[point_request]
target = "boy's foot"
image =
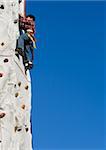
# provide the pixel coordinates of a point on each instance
(28, 65)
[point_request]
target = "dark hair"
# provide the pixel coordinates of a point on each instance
(31, 16)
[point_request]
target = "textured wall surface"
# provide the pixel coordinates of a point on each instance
(15, 89)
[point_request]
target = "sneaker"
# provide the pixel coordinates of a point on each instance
(30, 63)
(26, 64)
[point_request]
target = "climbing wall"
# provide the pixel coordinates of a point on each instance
(15, 85)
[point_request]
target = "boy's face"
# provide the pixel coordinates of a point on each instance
(29, 19)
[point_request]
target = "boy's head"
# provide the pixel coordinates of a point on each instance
(30, 18)
(30, 24)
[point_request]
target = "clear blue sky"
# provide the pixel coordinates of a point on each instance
(68, 78)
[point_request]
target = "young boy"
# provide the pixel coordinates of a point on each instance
(26, 43)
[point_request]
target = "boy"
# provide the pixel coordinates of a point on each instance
(26, 42)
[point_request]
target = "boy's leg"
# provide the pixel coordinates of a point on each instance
(21, 44)
(27, 57)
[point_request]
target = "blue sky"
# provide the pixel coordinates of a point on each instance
(68, 78)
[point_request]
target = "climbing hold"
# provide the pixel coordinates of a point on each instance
(17, 94)
(15, 21)
(20, 1)
(26, 129)
(2, 115)
(23, 106)
(2, 7)
(6, 60)
(15, 86)
(26, 87)
(16, 119)
(1, 74)
(19, 84)
(2, 44)
(17, 129)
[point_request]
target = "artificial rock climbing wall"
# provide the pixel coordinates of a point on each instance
(15, 85)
